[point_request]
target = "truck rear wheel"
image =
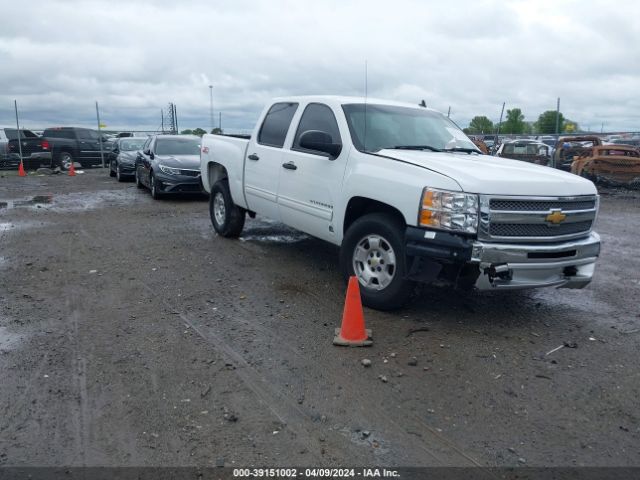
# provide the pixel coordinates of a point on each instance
(66, 159)
(227, 218)
(373, 250)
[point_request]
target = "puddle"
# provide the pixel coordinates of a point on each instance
(273, 238)
(8, 340)
(80, 201)
(19, 225)
(268, 231)
(77, 201)
(36, 200)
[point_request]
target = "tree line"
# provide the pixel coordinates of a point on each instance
(514, 123)
(199, 131)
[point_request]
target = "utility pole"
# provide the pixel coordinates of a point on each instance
(500, 122)
(15, 104)
(558, 117)
(100, 135)
(175, 118)
(220, 121)
(211, 106)
(449, 112)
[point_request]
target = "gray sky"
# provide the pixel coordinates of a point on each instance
(58, 57)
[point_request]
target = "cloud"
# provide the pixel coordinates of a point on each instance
(135, 57)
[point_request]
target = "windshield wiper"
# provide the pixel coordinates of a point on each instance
(416, 147)
(461, 149)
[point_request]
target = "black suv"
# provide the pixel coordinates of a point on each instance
(72, 144)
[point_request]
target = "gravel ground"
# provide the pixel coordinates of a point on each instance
(131, 335)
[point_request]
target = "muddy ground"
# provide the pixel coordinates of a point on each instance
(131, 335)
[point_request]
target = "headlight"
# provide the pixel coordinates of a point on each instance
(170, 170)
(446, 210)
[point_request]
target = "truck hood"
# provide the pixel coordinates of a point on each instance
(495, 175)
(189, 162)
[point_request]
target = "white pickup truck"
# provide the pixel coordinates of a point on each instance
(407, 197)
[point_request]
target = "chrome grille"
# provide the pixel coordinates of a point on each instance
(530, 219)
(190, 173)
(537, 230)
(540, 205)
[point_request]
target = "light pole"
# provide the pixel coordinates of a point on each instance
(211, 107)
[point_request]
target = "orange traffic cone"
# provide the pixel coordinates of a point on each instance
(72, 170)
(21, 171)
(352, 333)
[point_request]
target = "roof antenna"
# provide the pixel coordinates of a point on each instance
(365, 104)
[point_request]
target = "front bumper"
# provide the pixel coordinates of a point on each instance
(505, 266)
(127, 169)
(178, 183)
(566, 265)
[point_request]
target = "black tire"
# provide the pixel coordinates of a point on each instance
(111, 172)
(138, 182)
(153, 187)
(388, 233)
(65, 159)
(226, 217)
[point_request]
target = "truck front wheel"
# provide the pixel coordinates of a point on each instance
(373, 250)
(227, 218)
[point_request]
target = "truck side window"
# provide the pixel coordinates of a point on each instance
(317, 116)
(276, 124)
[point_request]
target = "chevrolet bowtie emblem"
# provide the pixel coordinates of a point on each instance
(556, 217)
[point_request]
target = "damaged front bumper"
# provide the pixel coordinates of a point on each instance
(519, 266)
(488, 266)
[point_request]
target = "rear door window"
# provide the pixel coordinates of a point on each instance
(276, 124)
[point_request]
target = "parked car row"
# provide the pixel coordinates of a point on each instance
(162, 163)
(57, 147)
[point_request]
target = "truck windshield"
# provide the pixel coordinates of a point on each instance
(389, 127)
(178, 146)
(88, 134)
(130, 145)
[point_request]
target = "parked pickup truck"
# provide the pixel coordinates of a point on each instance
(73, 144)
(407, 197)
(35, 150)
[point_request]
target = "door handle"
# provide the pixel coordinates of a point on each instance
(253, 157)
(289, 166)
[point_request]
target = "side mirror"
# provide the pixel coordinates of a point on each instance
(320, 142)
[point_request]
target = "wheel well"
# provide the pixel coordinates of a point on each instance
(359, 206)
(216, 172)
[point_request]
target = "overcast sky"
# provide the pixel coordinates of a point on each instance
(58, 57)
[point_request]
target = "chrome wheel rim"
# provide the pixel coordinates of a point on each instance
(152, 182)
(117, 172)
(66, 162)
(374, 262)
(219, 209)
